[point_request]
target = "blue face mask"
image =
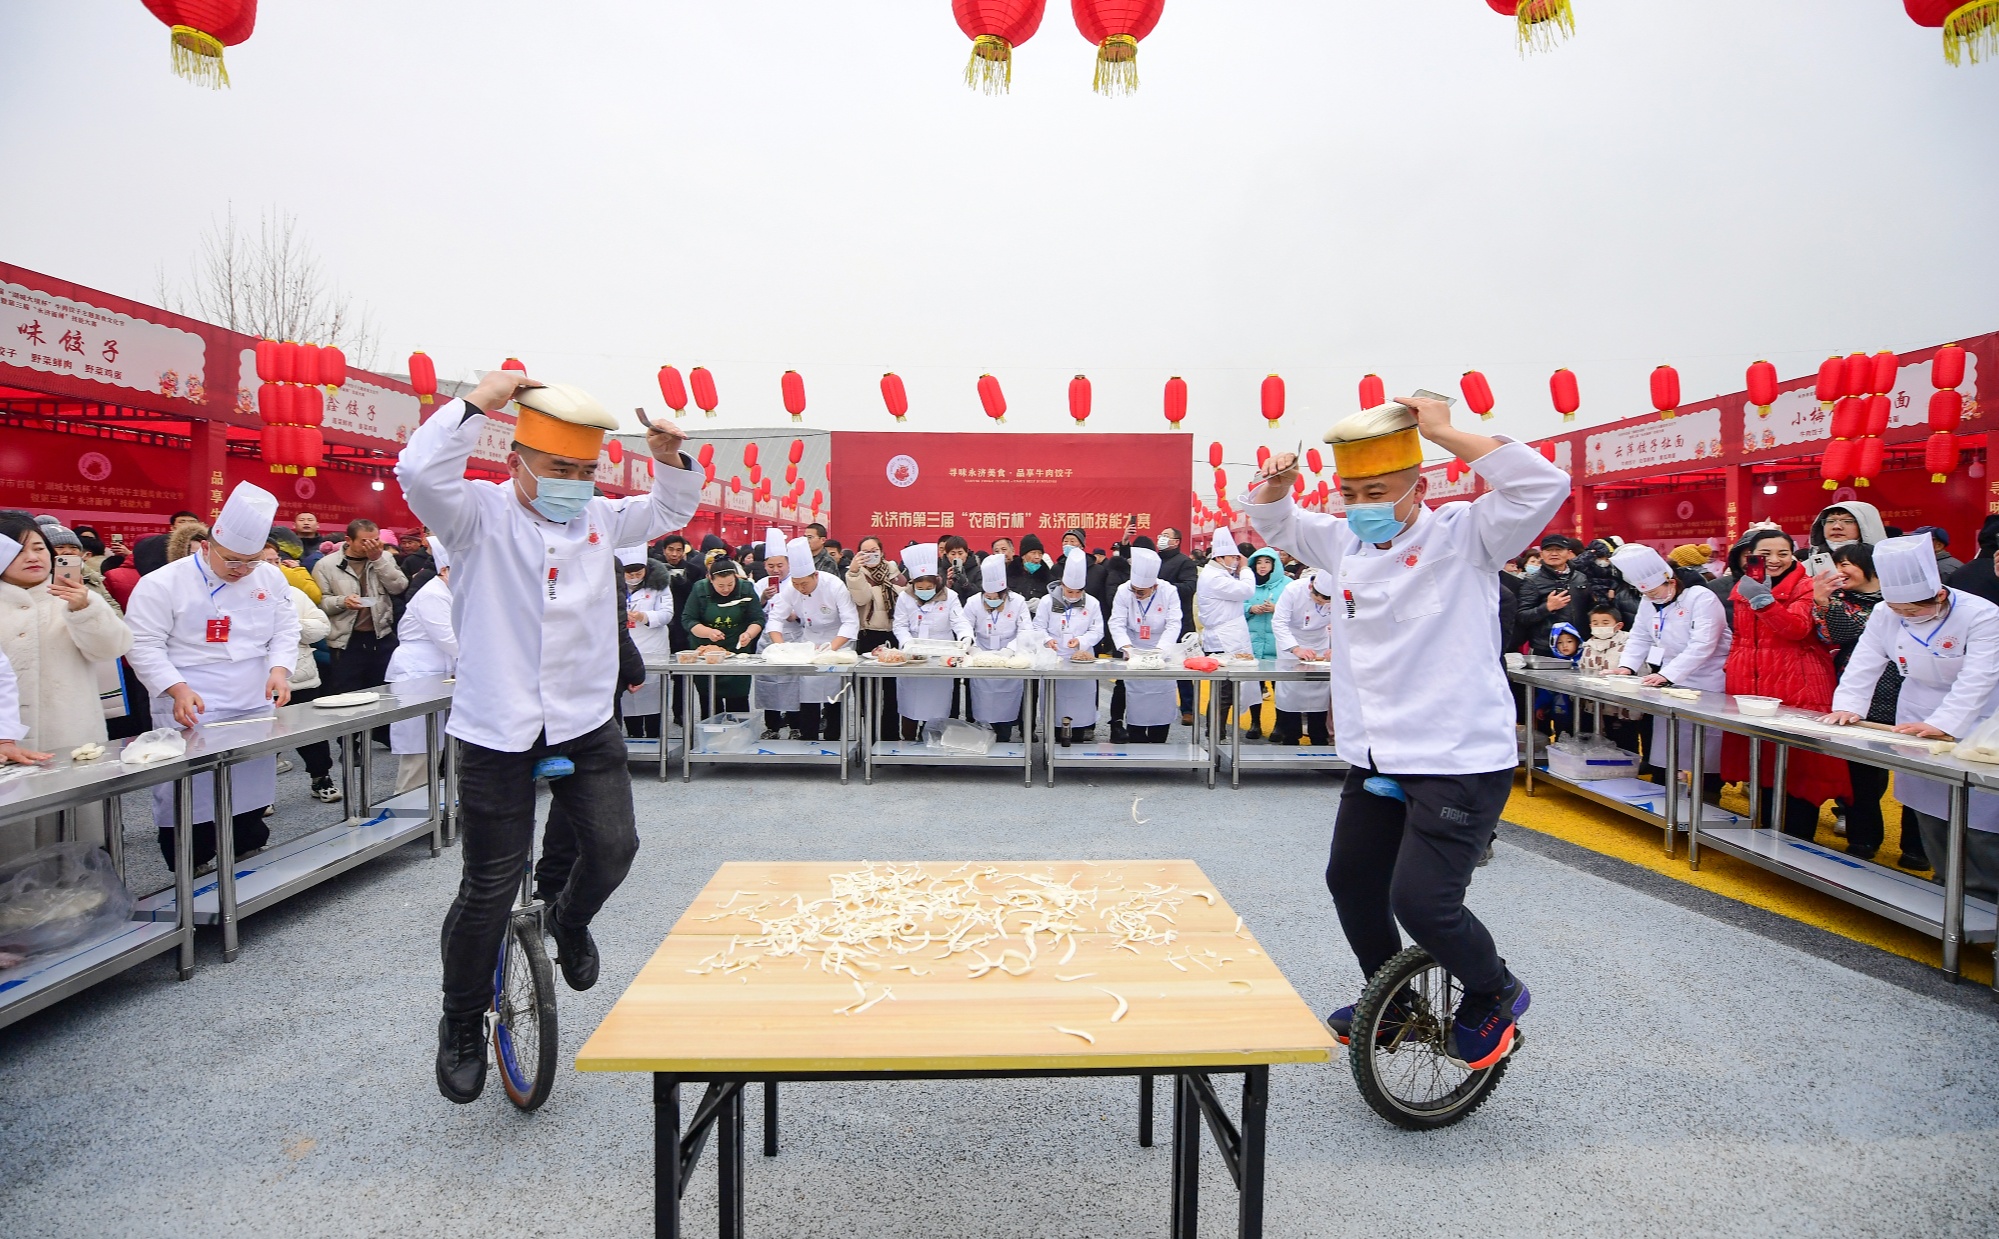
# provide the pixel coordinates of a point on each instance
(1377, 522)
(994, 603)
(560, 499)
(925, 595)
(1032, 566)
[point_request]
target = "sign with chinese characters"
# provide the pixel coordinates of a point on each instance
(1694, 436)
(357, 407)
(55, 335)
(1441, 487)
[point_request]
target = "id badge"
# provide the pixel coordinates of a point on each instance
(218, 631)
(1145, 632)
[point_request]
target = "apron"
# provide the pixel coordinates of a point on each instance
(1149, 703)
(655, 645)
(772, 692)
(1313, 632)
(929, 699)
(1713, 679)
(1929, 661)
(230, 689)
(817, 619)
(995, 701)
(415, 660)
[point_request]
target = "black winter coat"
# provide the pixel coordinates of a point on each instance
(1536, 619)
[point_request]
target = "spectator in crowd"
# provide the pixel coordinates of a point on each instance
(875, 581)
(1028, 575)
(1980, 574)
(1776, 653)
(120, 578)
(66, 549)
(822, 559)
(1694, 555)
(1845, 597)
(1602, 654)
(1722, 584)
(961, 569)
(1947, 563)
(411, 542)
(1180, 572)
(1606, 587)
(93, 546)
(290, 556)
(1530, 562)
(723, 611)
(426, 645)
(356, 588)
(306, 526)
(305, 683)
(649, 618)
(149, 554)
(57, 635)
(1845, 524)
(1555, 713)
(1510, 640)
(1267, 569)
(1556, 594)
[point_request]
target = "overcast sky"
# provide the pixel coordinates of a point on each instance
(1314, 187)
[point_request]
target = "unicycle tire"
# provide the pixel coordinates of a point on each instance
(1400, 1058)
(524, 1035)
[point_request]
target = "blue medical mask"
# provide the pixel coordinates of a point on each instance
(560, 499)
(925, 595)
(1031, 565)
(994, 603)
(1377, 522)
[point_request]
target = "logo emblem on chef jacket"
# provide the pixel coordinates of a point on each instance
(262, 596)
(902, 470)
(1948, 644)
(1409, 560)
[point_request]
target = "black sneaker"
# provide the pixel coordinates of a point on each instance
(461, 1057)
(1913, 860)
(576, 951)
(1119, 735)
(323, 789)
(1400, 1008)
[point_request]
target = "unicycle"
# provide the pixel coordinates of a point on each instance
(1400, 1042)
(522, 1019)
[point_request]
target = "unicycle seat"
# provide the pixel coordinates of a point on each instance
(554, 768)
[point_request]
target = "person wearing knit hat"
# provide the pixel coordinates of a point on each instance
(813, 607)
(1693, 555)
(1145, 616)
(1029, 574)
(1070, 621)
(1421, 707)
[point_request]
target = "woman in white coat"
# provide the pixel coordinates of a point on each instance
(314, 626)
(1146, 617)
(925, 612)
(57, 634)
(649, 615)
(426, 646)
(997, 618)
(1302, 625)
(1946, 643)
(1069, 620)
(1681, 633)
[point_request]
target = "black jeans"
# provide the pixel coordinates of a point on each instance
(591, 841)
(363, 664)
(1801, 816)
(1392, 861)
(248, 829)
(1864, 827)
(890, 728)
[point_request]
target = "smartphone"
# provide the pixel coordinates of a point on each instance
(1756, 567)
(68, 568)
(1818, 563)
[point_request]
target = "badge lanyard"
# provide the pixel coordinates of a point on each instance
(1949, 603)
(1145, 629)
(218, 624)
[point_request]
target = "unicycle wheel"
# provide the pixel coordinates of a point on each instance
(1400, 1043)
(524, 1034)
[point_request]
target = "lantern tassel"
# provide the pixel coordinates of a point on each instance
(1543, 24)
(1117, 66)
(990, 70)
(1972, 32)
(197, 57)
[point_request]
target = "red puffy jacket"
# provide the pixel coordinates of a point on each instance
(1777, 653)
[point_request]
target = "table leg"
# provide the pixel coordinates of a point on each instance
(1778, 782)
(364, 798)
(1145, 1110)
(184, 870)
(729, 1167)
(1186, 1159)
(1235, 738)
(1695, 778)
(665, 1156)
(1255, 1101)
(1953, 883)
(687, 740)
(770, 1118)
(114, 833)
(347, 777)
(448, 776)
(666, 720)
(1755, 781)
(870, 721)
(1218, 717)
(1672, 779)
(225, 862)
(1028, 705)
(431, 791)
(1527, 729)
(1048, 744)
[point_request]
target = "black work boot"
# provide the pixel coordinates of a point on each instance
(461, 1057)
(576, 951)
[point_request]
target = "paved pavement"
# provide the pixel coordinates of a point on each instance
(1686, 1075)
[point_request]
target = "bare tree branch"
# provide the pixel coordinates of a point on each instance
(273, 285)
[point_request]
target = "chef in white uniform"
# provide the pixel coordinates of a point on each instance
(1223, 586)
(814, 607)
(426, 646)
(1420, 703)
(1945, 642)
(920, 618)
(214, 637)
(775, 695)
(1302, 625)
(998, 619)
(1146, 617)
(1070, 621)
(534, 604)
(649, 615)
(1680, 637)
(12, 729)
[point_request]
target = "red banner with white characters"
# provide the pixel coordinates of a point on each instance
(908, 487)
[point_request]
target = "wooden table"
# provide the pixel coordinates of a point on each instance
(1207, 1000)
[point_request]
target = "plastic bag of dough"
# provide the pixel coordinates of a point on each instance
(58, 896)
(160, 744)
(1982, 744)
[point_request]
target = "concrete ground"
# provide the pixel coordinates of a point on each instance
(1691, 1070)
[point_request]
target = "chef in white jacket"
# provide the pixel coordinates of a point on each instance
(1420, 703)
(1680, 637)
(214, 637)
(1146, 617)
(1302, 625)
(426, 646)
(775, 695)
(1220, 590)
(534, 604)
(1945, 642)
(649, 615)
(925, 612)
(814, 607)
(12, 729)
(999, 619)
(1070, 621)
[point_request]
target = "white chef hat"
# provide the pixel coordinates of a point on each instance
(1224, 543)
(992, 574)
(438, 555)
(8, 549)
(1075, 569)
(1639, 564)
(1322, 581)
(920, 560)
(798, 558)
(245, 521)
(774, 543)
(1907, 567)
(1144, 567)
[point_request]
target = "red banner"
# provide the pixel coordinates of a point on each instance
(918, 487)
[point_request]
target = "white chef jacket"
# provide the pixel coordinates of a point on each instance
(653, 635)
(1687, 640)
(1075, 699)
(997, 701)
(10, 703)
(1417, 683)
(533, 602)
(928, 698)
(1144, 624)
(1218, 598)
(1301, 621)
(426, 646)
(827, 612)
(1950, 680)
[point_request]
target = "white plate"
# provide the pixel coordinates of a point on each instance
(343, 701)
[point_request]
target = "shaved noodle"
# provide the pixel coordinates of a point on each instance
(1076, 1032)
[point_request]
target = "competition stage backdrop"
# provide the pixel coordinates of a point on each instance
(907, 487)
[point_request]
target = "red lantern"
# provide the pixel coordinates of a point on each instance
(1867, 464)
(1221, 486)
(308, 364)
(703, 384)
(750, 453)
(1946, 410)
(1666, 391)
(735, 484)
(1859, 376)
(707, 474)
(1762, 383)
(267, 361)
(1262, 457)
(1831, 382)
(793, 384)
(992, 398)
(707, 454)
(756, 475)
(514, 363)
(818, 497)
(1079, 399)
(1297, 488)
(1478, 392)
(1116, 26)
(1563, 391)
(271, 403)
(1947, 367)
(1538, 25)
(995, 27)
(1970, 31)
(1837, 461)
(285, 362)
(1176, 401)
(1879, 410)
(1372, 393)
(672, 390)
(332, 369)
(797, 452)
(199, 30)
(1940, 455)
(1548, 451)
(1273, 399)
(308, 407)
(894, 397)
(1885, 372)
(1454, 470)
(423, 377)
(1313, 461)
(1849, 418)
(1214, 455)
(615, 450)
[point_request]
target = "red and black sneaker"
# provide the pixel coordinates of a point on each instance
(1400, 1008)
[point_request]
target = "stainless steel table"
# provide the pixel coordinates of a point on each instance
(768, 752)
(646, 751)
(868, 678)
(1273, 756)
(1197, 753)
